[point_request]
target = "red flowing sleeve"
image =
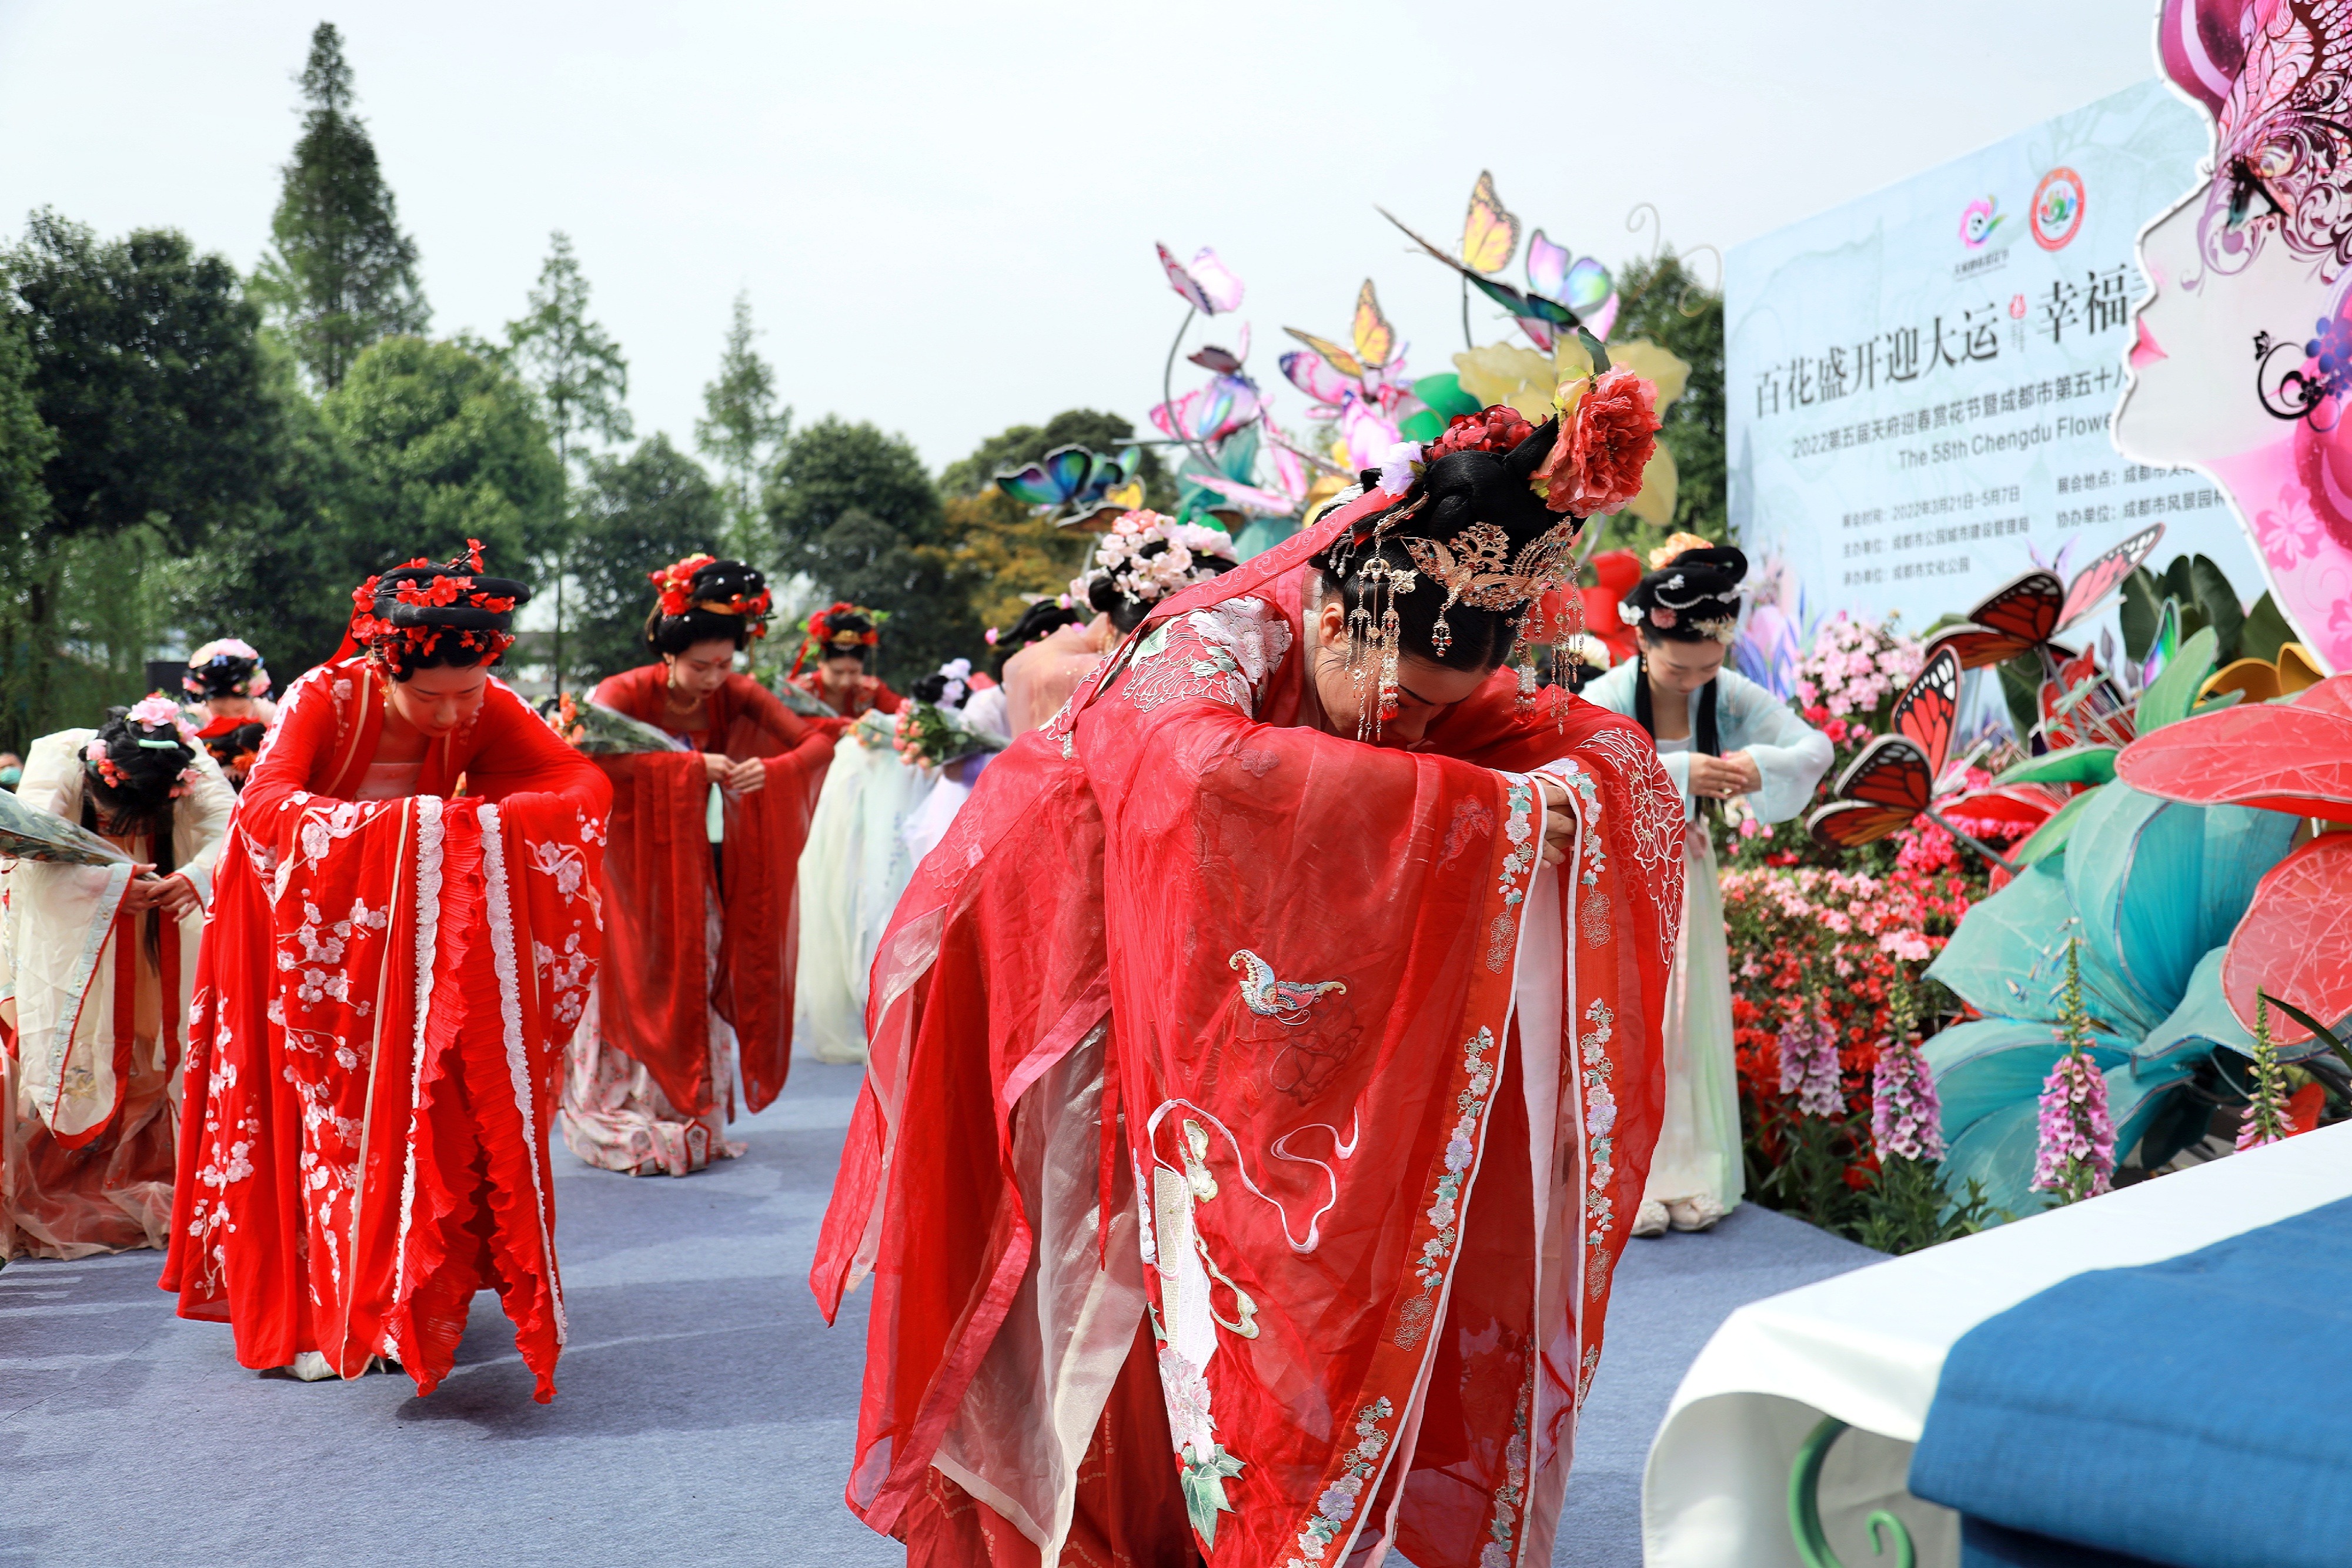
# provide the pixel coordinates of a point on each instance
(766, 829)
(656, 878)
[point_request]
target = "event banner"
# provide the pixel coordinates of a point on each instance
(1919, 383)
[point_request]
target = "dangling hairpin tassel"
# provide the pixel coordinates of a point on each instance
(1382, 580)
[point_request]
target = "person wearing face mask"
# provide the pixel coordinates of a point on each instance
(701, 908)
(12, 770)
(97, 965)
(403, 935)
(1720, 734)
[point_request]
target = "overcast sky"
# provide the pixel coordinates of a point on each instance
(944, 214)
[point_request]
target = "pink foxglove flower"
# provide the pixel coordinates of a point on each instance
(1808, 1065)
(1905, 1116)
(2076, 1155)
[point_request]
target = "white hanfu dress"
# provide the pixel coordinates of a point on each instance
(1696, 1173)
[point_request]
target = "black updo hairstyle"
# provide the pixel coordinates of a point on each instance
(146, 762)
(1456, 490)
(404, 635)
(1696, 593)
(717, 581)
(1126, 611)
(225, 675)
(836, 623)
(933, 689)
(1037, 623)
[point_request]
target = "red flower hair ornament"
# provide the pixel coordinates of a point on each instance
(401, 616)
(703, 582)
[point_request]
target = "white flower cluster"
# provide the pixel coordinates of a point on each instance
(1148, 577)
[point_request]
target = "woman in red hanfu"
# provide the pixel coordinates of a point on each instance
(841, 640)
(1266, 1064)
(403, 934)
(700, 921)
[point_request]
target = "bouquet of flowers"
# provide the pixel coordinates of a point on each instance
(927, 735)
(599, 730)
(28, 833)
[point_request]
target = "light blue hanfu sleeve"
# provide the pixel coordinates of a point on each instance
(1791, 755)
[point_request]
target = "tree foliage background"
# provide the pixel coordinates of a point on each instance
(188, 452)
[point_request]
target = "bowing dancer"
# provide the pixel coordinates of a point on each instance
(1269, 1061)
(97, 964)
(843, 638)
(857, 859)
(227, 681)
(404, 935)
(1720, 734)
(701, 924)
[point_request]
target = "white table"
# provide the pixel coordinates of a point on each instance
(1867, 1348)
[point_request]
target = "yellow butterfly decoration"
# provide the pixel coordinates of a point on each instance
(1490, 233)
(1375, 339)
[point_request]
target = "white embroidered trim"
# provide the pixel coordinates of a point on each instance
(428, 930)
(502, 958)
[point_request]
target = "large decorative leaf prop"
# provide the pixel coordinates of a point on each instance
(2295, 758)
(2295, 941)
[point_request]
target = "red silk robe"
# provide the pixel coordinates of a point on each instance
(381, 1004)
(657, 869)
(1199, 1009)
(871, 694)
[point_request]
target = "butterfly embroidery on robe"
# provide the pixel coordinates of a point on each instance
(1286, 1001)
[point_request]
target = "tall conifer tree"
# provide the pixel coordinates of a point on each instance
(340, 274)
(741, 428)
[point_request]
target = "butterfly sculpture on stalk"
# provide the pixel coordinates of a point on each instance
(1898, 777)
(1544, 318)
(2078, 702)
(1076, 483)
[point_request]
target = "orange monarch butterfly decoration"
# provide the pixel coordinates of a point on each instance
(1894, 781)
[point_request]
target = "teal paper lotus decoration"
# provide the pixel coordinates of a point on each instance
(2154, 889)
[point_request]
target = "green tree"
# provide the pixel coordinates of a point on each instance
(1024, 443)
(25, 444)
(582, 381)
(440, 444)
(134, 391)
(340, 274)
(281, 577)
(145, 365)
(740, 430)
(1665, 304)
(853, 509)
(638, 514)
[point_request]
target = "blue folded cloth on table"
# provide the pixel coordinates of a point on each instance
(2196, 1411)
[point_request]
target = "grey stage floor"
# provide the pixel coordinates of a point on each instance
(705, 1411)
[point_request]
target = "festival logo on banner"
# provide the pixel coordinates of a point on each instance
(2254, 254)
(2057, 214)
(1978, 219)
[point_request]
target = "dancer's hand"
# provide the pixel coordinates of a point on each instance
(175, 895)
(1719, 778)
(1559, 822)
(716, 768)
(748, 776)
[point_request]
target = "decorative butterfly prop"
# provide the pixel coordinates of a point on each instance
(1207, 285)
(1902, 776)
(2024, 615)
(1545, 312)
(1375, 339)
(1077, 483)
